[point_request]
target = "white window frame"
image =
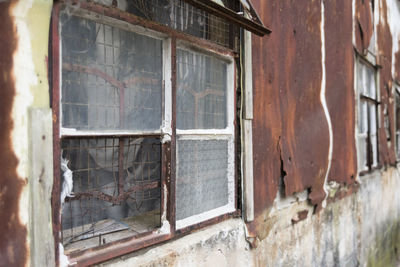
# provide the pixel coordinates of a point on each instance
(213, 134)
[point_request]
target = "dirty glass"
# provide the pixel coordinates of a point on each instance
(202, 182)
(201, 92)
(371, 86)
(362, 152)
(363, 118)
(111, 78)
(106, 193)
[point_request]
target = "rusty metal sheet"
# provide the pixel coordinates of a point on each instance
(13, 247)
(385, 44)
(364, 26)
(340, 89)
(290, 130)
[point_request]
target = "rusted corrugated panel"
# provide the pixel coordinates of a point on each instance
(385, 43)
(340, 89)
(364, 25)
(13, 247)
(290, 130)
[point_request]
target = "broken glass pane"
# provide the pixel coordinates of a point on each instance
(111, 78)
(127, 196)
(202, 182)
(202, 91)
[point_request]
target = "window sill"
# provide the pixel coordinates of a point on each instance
(230, 231)
(370, 172)
(132, 244)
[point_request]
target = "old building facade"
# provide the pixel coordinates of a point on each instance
(200, 133)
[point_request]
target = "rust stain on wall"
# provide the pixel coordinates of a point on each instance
(385, 43)
(290, 131)
(340, 89)
(13, 248)
(364, 26)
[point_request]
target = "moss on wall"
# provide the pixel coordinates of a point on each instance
(385, 252)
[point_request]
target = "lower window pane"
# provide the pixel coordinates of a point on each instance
(110, 201)
(202, 176)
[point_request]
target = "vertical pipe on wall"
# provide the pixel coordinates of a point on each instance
(247, 125)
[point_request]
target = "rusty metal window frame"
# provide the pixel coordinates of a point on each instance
(370, 101)
(172, 39)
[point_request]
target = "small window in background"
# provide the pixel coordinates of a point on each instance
(367, 116)
(397, 118)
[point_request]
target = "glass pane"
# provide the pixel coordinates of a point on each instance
(363, 117)
(362, 152)
(106, 200)
(202, 91)
(371, 84)
(398, 144)
(202, 182)
(111, 78)
(374, 144)
(397, 111)
(360, 77)
(373, 121)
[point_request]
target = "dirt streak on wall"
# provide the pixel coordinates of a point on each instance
(13, 248)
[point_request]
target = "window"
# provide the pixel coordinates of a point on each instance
(397, 118)
(367, 115)
(145, 129)
(205, 131)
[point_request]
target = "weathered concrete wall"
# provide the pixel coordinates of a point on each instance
(355, 231)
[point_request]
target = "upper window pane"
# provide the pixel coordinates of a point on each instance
(202, 91)
(111, 78)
